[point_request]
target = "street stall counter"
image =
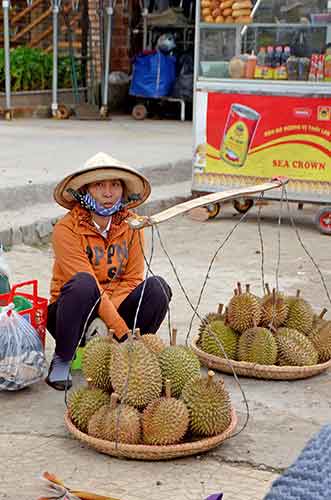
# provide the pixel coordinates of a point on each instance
(263, 100)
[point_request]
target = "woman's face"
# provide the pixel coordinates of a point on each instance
(106, 193)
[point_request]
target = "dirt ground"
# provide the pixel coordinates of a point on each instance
(283, 415)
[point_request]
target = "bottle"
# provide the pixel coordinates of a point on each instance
(327, 66)
(268, 73)
(320, 68)
(292, 68)
(250, 66)
(4, 273)
(260, 63)
(279, 73)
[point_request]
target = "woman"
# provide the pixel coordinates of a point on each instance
(99, 262)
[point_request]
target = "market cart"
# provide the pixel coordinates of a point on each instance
(262, 106)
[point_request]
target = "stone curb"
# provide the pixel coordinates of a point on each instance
(30, 194)
(39, 232)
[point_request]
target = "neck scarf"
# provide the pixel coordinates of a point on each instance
(87, 201)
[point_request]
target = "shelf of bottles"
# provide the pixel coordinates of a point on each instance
(297, 50)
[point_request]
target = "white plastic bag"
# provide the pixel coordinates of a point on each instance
(22, 360)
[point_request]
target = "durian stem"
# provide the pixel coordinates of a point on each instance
(272, 328)
(174, 337)
(274, 296)
(239, 288)
(298, 293)
(168, 388)
(235, 291)
(89, 383)
(248, 286)
(137, 333)
(267, 287)
(220, 308)
(211, 375)
(323, 313)
(110, 336)
(113, 400)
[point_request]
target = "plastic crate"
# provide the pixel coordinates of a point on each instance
(37, 313)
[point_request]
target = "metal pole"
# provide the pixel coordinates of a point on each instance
(56, 9)
(109, 12)
(6, 34)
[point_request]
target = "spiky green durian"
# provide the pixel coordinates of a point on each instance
(96, 362)
(178, 364)
(208, 404)
(257, 345)
(135, 374)
(300, 316)
(321, 339)
(122, 423)
(83, 403)
(96, 423)
(295, 349)
(218, 334)
(150, 340)
(244, 310)
(165, 420)
(274, 309)
(212, 316)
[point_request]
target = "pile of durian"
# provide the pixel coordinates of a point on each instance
(273, 330)
(144, 392)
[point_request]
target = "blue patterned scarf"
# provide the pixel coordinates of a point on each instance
(87, 201)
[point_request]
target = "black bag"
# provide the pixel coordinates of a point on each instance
(183, 88)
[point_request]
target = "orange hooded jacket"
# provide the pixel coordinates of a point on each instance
(117, 263)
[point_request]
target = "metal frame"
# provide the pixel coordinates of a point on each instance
(6, 33)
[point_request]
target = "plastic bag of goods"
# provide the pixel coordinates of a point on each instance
(22, 360)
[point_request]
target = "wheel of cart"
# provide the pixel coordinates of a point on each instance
(323, 220)
(139, 111)
(242, 205)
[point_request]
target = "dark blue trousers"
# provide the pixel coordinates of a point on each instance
(79, 296)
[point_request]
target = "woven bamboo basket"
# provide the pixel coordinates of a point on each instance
(270, 372)
(148, 452)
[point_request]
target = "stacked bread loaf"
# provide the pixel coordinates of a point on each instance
(226, 11)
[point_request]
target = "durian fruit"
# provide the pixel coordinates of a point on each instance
(300, 315)
(152, 341)
(96, 423)
(179, 364)
(244, 310)
(208, 404)
(96, 362)
(321, 337)
(135, 373)
(257, 345)
(83, 403)
(295, 349)
(274, 308)
(206, 320)
(122, 423)
(217, 334)
(165, 420)
(318, 321)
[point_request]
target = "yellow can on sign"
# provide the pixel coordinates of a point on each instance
(239, 131)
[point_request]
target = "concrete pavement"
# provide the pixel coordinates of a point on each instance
(283, 415)
(36, 154)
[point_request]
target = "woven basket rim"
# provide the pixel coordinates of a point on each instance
(272, 372)
(154, 452)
